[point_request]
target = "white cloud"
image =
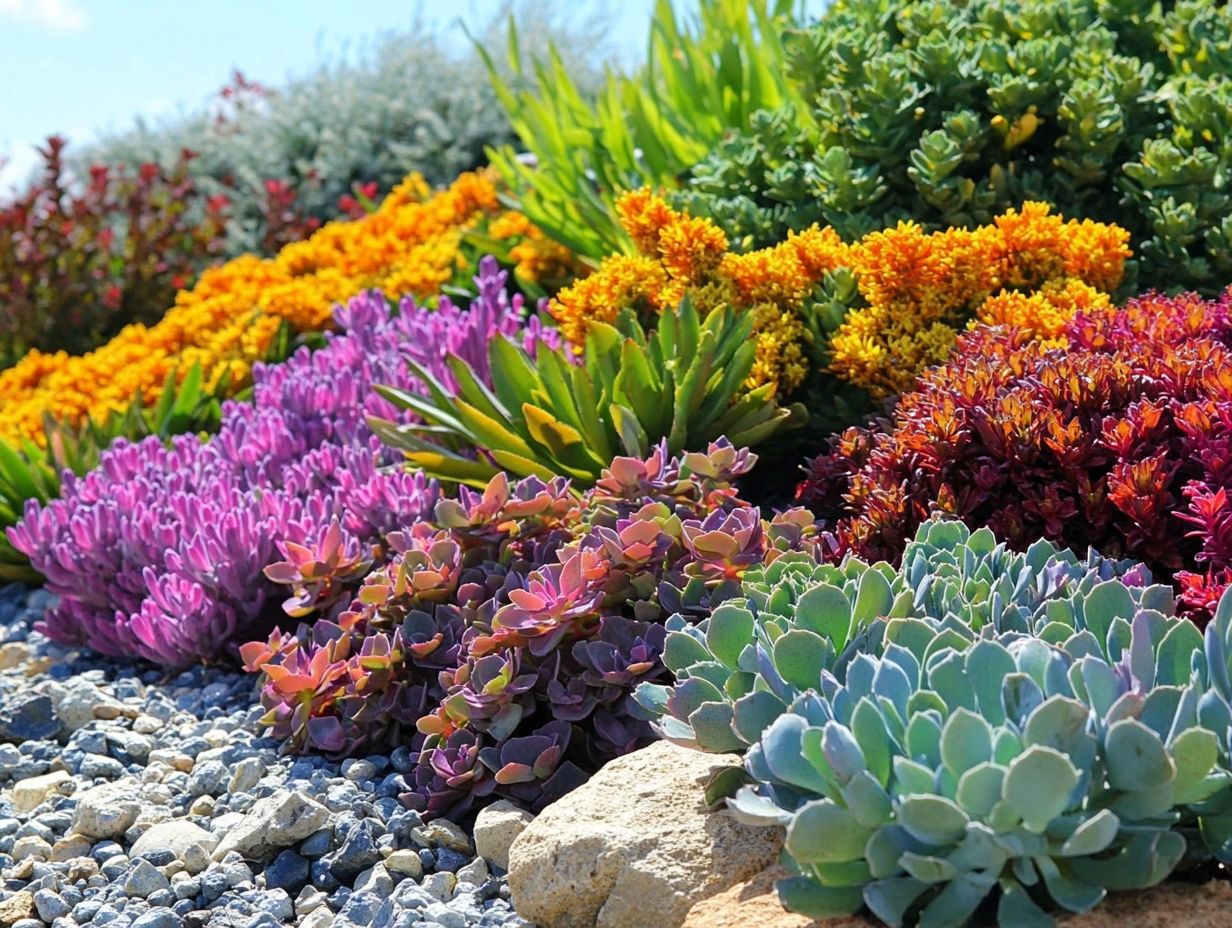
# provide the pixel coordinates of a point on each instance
(58, 15)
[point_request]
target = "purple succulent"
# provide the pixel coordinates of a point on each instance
(160, 552)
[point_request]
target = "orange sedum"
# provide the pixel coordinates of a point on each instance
(411, 244)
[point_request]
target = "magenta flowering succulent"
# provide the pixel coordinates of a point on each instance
(160, 552)
(549, 606)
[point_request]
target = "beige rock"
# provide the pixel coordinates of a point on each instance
(30, 793)
(70, 847)
(109, 810)
(318, 918)
(1172, 905)
(13, 654)
(635, 847)
(191, 844)
(495, 829)
(31, 846)
(275, 822)
(16, 907)
(406, 862)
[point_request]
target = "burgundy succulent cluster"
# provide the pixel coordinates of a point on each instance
(160, 553)
(504, 636)
(1121, 440)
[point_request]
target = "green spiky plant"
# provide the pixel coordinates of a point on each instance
(547, 416)
(703, 78)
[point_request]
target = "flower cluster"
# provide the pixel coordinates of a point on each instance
(230, 319)
(1120, 439)
(914, 290)
(1029, 268)
(503, 638)
(159, 552)
(681, 255)
(79, 261)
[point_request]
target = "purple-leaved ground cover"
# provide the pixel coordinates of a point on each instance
(159, 553)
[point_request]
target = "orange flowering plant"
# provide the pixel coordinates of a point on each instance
(874, 313)
(411, 245)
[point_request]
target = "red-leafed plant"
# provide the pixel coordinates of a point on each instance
(1121, 440)
(79, 261)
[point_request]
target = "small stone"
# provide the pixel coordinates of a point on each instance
(439, 885)
(405, 862)
(29, 717)
(207, 779)
(145, 880)
(202, 805)
(450, 860)
(50, 906)
(309, 900)
(107, 811)
(475, 873)
(246, 775)
(13, 654)
(32, 792)
(496, 826)
(70, 847)
(275, 822)
(289, 871)
(30, 846)
(358, 853)
(319, 918)
(444, 916)
(358, 769)
(146, 724)
(274, 902)
(364, 909)
(79, 702)
(443, 833)
(374, 880)
(157, 918)
(317, 844)
(81, 868)
(16, 907)
(186, 842)
(176, 760)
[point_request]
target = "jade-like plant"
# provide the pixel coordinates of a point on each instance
(978, 727)
(798, 620)
(547, 416)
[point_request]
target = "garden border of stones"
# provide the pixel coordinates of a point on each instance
(134, 799)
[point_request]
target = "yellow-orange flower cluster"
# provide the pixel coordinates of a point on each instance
(410, 245)
(681, 255)
(1030, 269)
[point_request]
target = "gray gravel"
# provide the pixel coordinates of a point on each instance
(95, 754)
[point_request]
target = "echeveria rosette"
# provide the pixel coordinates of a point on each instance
(795, 621)
(159, 553)
(948, 769)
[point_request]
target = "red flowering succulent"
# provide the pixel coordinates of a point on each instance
(1120, 440)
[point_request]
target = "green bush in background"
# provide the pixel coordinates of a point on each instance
(411, 101)
(703, 78)
(947, 113)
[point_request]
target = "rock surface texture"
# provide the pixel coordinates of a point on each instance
(635, 847)
(1173, 905)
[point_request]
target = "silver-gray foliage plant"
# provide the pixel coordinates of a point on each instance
(978, 727)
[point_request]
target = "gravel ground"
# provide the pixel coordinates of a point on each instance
(131, 800)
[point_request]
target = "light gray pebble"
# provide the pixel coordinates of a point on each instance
(144, 880)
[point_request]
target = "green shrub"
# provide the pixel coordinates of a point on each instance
(948, 113)
(703, 78)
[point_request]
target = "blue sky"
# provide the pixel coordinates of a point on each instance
(77, 67)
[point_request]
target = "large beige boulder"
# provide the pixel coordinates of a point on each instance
(635, 847)
(1172, 905)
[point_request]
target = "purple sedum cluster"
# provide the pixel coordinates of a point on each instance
(503, 637)
(160, 552)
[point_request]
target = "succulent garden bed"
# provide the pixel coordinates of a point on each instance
(778, 501)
